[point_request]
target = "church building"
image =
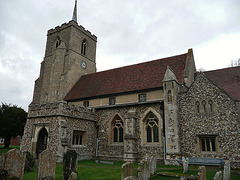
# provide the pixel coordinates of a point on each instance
(161, 107)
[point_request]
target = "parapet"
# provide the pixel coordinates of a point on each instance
(75, 24)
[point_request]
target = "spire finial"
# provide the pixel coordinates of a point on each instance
(74, 17)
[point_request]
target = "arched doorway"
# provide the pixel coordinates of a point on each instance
(42, 141)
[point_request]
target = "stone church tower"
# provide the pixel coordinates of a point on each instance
(70, 53)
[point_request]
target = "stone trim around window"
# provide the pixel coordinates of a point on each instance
(78, 138)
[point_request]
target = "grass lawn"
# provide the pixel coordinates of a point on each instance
(4, 150)
(90, 170)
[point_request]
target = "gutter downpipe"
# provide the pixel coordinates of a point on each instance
(97, 128)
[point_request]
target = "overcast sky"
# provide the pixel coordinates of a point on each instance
(128, 32)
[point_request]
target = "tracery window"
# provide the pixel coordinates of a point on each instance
(152, 128)
(169, 96)
(117, 130)
(84, 47)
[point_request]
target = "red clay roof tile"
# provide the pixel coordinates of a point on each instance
(132, 78)
(227, 79)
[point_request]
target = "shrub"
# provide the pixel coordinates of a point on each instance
(69, 163)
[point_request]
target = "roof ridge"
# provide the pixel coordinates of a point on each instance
(108, 70)
(221, 69)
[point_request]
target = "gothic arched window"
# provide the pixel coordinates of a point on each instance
(117, 129)
(169, 96)
(84, 47)
(152, 128)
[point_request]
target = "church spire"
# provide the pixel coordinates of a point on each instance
(74, 17)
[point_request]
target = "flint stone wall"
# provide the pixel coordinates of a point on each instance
(115, 151)
(223, 121)
(53, 114)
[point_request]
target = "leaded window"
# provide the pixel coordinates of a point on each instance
(117, 130)
(78, 137)
(142, 98)
(152, 128)
(169, 96)
(197, 107)
(208, 143)
(84, 47)
(210, 105)
(204, 106)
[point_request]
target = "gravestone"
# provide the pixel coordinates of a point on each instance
(13, 161)
(218, 175)
(185, 164)
(144, 169)
(226, 171)
(127, 170)
(153, 165)
(202, 173)
(130, 178)
(70, 166)
(46, 165)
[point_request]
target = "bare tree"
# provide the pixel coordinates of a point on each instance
(235, 63)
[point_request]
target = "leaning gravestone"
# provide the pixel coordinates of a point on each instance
(218, 175)
(13, 161)
(185, 164)
(46, 165)
(127, 170)
(202, 173)
(70, 166)
(226, 171)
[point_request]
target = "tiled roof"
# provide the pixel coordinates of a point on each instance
(227, 79)
(132, 78)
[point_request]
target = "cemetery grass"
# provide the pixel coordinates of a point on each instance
(89, 170)
(4, 150)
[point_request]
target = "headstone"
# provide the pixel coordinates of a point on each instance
(46, 165)
(70, 164)
(144, 169)
(226, 171)
(127, 170)
(202, 173)
(153, 165)
(218, 175)
(185, 164)
(73, 176)
(13, 162)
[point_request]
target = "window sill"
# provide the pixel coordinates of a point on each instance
(78, 146)
(152, 145)
(208, 152)
(116, 144)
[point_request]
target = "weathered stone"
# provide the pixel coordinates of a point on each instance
(127, 170)
(130, 178)
(226, 171)
(153, 165)
(73, 176)
(218, 175)
(144, 169)
(13, 161)
(46, 165)
(185, 164)
(202, 173)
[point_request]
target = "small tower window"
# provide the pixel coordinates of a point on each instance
(169, 96)
(84, 47)
(58, 43)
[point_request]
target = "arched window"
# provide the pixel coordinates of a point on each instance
(169, 96)
(210, 105)
(197, 107)
(152, 128)
(58, 43)
(204, 106)
(117, 130)
(84, 47)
